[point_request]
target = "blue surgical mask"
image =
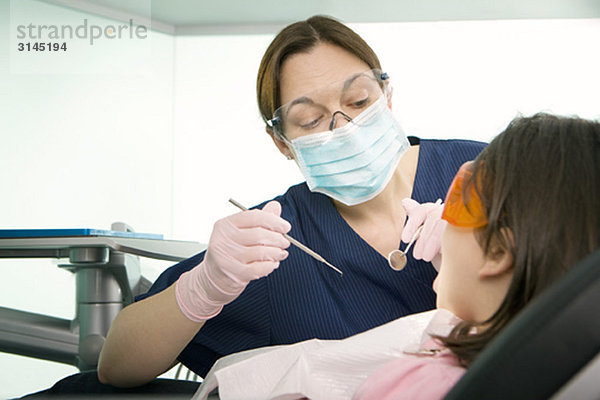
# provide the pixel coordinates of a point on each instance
(353, 163)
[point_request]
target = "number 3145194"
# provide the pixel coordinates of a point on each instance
(40, 46)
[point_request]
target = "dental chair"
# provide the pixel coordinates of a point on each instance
(550, 351)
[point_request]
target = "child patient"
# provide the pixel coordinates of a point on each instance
(519, 216)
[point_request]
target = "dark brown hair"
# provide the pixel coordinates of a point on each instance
(301, 37)
(539, 181)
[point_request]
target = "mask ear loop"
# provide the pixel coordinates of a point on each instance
(289, 146)
(274, 125)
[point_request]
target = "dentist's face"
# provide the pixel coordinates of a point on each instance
(314, 72)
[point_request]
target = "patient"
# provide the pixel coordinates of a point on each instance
(519, 216)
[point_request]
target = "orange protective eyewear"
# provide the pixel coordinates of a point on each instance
(460, 211)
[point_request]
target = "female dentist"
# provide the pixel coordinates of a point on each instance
(327, 104)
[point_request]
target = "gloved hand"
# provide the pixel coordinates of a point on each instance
(242, 247)
(427, 247)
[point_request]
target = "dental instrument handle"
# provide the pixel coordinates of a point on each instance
(413, 239)
(418, 231)
(295, 242)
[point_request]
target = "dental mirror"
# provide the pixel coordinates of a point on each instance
(397, 258)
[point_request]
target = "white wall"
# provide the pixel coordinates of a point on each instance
(161, 135)
(221, 147)
(81, 146)
(468, 79)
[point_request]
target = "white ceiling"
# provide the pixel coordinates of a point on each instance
(183, 17)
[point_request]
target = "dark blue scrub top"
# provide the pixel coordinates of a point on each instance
(304, 299)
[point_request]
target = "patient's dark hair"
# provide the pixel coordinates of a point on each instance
(539, 181)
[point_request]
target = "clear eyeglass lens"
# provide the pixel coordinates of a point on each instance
(313, 112)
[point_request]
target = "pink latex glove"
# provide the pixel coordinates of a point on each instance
(428, 245)
(242, 247)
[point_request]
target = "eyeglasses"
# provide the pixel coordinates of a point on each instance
(463, 206)
(317, 111)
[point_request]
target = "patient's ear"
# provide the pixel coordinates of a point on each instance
(499, 260)
(281, 146)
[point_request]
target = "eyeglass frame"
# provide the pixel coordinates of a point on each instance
(275, 123)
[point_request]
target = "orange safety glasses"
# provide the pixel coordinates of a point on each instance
(461, 212)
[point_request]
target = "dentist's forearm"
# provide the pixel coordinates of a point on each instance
(144, 340)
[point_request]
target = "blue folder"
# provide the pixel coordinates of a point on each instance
(40, 233)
